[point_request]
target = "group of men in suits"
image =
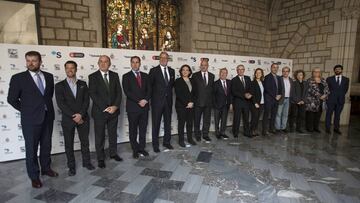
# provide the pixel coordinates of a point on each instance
(31, 92)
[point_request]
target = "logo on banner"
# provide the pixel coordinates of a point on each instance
(181, 59)
(234, 61)
(13, 67)
(76, 55)
(13, 53)
(156, 58)
(251, 61)
(17, 114)
(7, 139)
(20, 138)
(22, 149)
(4, 128)
(113, 67)
(4, 116)
(224, 60)
(92, 67)
(19, 126)
(278, 62)
(259, 62)
(193, 58)
(112, 56)
(7, 151)
(3, 104)
(57, 54)
(143, 57)
(145, 67)
(56, 66)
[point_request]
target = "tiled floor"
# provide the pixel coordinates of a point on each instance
(280, 168)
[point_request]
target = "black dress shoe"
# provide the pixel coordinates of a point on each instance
(50, 173)
(337, 131)
(143, 152)
(207, 139)
(156, 150)
(36, 183)
(198, 138)
(249, 136)
(191, 141)
(168, 146)
(317, 130)
(328, 130)
(285, 131)
(218, 136)
(272, 131)
(101, 164)
(182, 144)
(72, 172)
(224, 136)
(300, 131)
(116, 158)
(135, 155)
(89, 166)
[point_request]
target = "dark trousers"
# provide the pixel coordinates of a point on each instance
(335, 108)
(205, 113)
(157, 112)
(185, 116)
(35, 135)
(99, 125)
(297, 116)
(221, 119)
(255, 116)
(69, 133)
(313, 120)
(241, 111)
(138, 121)
(270, 110)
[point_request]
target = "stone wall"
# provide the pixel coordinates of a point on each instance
(71, 22)
(228, 27)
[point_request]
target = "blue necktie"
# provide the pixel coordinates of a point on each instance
(40, 84)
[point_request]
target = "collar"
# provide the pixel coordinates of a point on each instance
(34, 73)
(71, 80)
(102, 72)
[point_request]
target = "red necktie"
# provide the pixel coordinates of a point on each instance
(138, 79)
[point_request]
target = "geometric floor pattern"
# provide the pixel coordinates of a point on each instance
(280, 168)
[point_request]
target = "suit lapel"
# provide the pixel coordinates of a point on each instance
(68, 89)
(31, 81)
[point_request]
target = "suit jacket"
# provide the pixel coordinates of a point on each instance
(283, 89)
(183, 94)
(69, 104)
(25, 96)
(203, 93)
(270, 90)
(101, 97)
(160, 92)
(134, 93)
(296, 94)
(256, 92)
(337, 93)
(238, 90)
(220, 98)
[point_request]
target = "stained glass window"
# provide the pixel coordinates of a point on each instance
(142, 24)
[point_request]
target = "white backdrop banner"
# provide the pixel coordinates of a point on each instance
(12, 61)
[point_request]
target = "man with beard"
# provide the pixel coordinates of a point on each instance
(338, 85)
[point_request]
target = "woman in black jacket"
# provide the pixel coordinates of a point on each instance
(297, 107)
(257, 101)
(184, 104)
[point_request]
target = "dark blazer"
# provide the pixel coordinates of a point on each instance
(296, 92)
(256, 92)
(134, 93)
(337, 93)
(283, 89)
(25, 96)
(270, 90)
(70, 105)
(203, 94)
(160, 92)
(238, 91)
(183, 94)
(101, 97)
(220, 98)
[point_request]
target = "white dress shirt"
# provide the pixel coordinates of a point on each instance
(287, 87)
(34, 77)
(167, 72)
(107, 76)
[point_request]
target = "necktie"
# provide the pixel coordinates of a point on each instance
(225, 88)
(276, 81)
(338, 80)
(138, 78)
(40, 84)
(166, 76)
(242, 81)
(106, 81)
(204, 78)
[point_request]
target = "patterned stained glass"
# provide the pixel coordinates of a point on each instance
(168, 26)
(142, 24)
(119, 24)
(145, 25)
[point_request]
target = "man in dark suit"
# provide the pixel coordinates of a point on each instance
(272, 93)
(72, 97)
(138, 91)
(338, 85)
(105, 92)
(222, 103)
(203, 94)
(162, 78)
(240, 89)
(31, 92)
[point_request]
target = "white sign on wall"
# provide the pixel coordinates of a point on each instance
(12, 61)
